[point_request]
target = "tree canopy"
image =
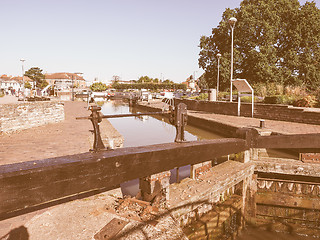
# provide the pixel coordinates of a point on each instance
(149, 85)
(36, 75)
(98, 87)
(274, 41)
(145, 82)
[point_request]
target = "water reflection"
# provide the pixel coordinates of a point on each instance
(148, 130)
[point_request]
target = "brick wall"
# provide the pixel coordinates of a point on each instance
(24, 115)
(265, 111)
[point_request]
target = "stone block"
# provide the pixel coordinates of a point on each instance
(155, 188)
(198, 169)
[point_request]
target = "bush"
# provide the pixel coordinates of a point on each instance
(260, 89)
(249, 98)
(202, 96)
(98, 87)
(274, 89)
(296, 91)
(279, 99)
(307, 101)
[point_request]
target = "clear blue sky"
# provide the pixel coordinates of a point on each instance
(102, 38)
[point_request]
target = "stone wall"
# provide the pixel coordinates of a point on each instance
(265, 111)
(24, 115)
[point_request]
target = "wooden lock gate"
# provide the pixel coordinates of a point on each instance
(177, 116)
(32, 185)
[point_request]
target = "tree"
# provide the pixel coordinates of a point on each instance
(144, 79)
(202, 83)
(274, 41)
(167, 81)
(36, 75)
(98, 87)
(27, 85)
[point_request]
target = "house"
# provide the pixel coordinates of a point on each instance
(63, 81)
(12, 85)
(191, 84)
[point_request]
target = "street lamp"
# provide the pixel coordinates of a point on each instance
(23, 90)
(218, 56)
(72, 97)
(232, 22)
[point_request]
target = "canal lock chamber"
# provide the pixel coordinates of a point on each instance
(278, 201)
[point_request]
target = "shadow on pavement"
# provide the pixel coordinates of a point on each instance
(20, 233)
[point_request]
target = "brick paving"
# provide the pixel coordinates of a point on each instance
(271, 125)
(8, 99)
(68, 137)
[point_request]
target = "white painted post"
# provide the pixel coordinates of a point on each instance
(252, 106)
(239, 103)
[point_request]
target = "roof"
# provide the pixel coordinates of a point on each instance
(63, 75)
(4, 77)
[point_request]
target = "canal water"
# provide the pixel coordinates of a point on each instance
(147, 130)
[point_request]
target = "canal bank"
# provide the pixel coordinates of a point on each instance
(227, 125)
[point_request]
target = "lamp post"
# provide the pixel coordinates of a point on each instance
(218, 56)
(23, 90)
(194, 79)
(72, 87)
(232, 22)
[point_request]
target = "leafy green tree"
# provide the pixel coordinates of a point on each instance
(27, 85)
(36, 75)
(274, 41)
(144, 79)
(98, 87)
(202, 83)
(167, 81)
(152, 86)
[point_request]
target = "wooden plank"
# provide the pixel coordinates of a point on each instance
(288, 141)
(27, 184)
(287, 200)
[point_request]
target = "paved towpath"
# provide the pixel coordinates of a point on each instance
(8, 99)
(68, 137)
(271, 125)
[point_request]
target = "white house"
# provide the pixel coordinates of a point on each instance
(10, 85)
(63, 81)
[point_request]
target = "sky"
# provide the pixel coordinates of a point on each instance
(103, 38)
